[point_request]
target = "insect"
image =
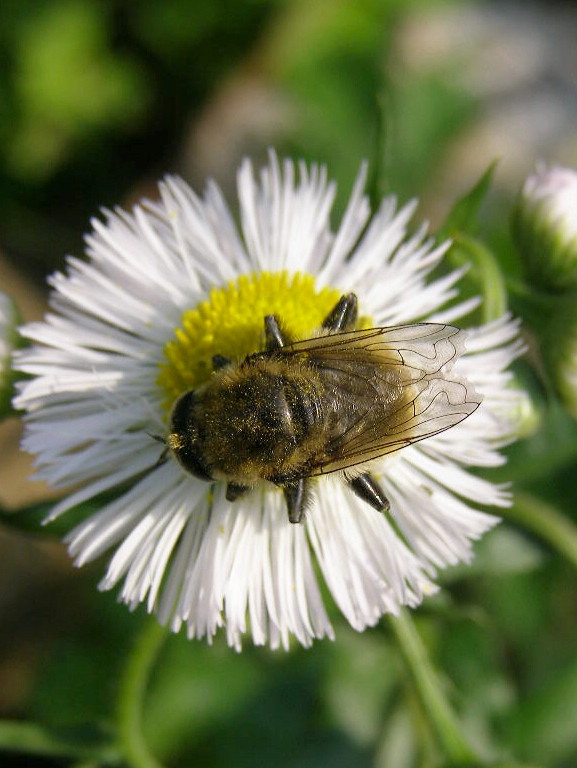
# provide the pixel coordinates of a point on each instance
(331, 403)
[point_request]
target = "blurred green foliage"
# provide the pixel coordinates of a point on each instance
(96, 97)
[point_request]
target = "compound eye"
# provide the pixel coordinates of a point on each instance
(183, 439)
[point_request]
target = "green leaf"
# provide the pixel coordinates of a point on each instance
(464, 216)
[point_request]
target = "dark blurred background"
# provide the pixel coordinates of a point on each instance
(100, 99)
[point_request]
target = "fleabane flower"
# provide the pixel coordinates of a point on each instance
(545, 226)
(173, 284)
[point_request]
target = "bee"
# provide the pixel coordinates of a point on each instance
(332, 403)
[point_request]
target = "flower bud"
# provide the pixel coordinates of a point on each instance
(8, 340)
(545, 227)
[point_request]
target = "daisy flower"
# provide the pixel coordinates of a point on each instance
(177, 281)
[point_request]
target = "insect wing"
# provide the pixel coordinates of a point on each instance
(426, 347)
(400, 380)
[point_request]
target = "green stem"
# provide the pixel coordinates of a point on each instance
(70, 744)
(546, 522)
(430, 693)
(376, 184)
(132, 693)
(487, 272)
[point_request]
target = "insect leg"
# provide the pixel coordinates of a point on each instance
(370, 491)
(234, 491)
(343, 315)
(295, 495)
(273, 334)
(219, 361)
(163, 458)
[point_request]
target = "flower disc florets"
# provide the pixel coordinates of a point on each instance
(230, 323)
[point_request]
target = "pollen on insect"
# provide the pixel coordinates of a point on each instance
(174, 441)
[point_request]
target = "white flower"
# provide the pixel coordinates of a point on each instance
(174, 282)
(545, 226)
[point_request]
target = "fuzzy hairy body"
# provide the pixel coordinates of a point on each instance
(278, 418)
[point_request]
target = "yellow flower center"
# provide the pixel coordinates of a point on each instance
(231, 323)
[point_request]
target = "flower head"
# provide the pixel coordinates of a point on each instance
(176, 282)
(545, 226)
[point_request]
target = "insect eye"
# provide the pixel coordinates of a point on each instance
(183, 439)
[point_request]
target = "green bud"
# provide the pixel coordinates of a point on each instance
(544, 227)
(529, 411)
(9, 320)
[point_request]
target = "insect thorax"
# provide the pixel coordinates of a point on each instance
(261, 420)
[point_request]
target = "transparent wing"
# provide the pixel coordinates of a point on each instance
(426, 347)
(390, 387)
